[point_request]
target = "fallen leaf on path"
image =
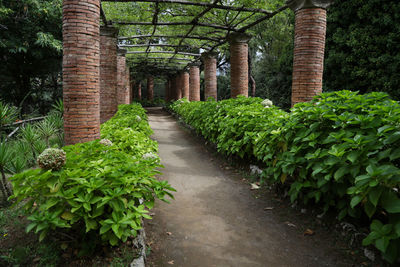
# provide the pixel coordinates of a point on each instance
(254, 186)
(269, 208)
(309, 232)
(290, 224)
(171, 262)
(169, 233)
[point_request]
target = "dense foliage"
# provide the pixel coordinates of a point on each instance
(105, 188)
(31, 53)
(340, 151)
(362, 46)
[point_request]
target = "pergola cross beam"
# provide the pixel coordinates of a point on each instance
(202, 4)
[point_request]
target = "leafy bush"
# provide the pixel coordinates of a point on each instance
(104, 190)
(341, 151)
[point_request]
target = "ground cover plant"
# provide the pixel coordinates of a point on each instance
(340, 151)
(104, 190)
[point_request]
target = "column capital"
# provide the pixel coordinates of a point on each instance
(239, 37)
(296, 5)
(121, 52)
(209, 54)
(109, 31)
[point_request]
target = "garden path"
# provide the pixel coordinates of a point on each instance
(215, 220)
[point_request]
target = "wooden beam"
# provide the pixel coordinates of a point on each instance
(203, 4)
(166, 58)
(199, 24)
(158, 45)
(169, 37)
(195, 23)
(164, 52)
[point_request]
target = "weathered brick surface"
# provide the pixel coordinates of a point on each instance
(238, 45)
(194, 83)
(150, 88)
(308, 60)
(127, 86)
(108, 73)
(139, 91)
(121, 76)
(179, 86)
(81, 69)
(185, 84)
(210, 75)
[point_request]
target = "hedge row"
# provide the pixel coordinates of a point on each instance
(341, 151)
(105, 188)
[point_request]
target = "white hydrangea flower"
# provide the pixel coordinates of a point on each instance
(267, 103)
(106, 142)
(150, 155)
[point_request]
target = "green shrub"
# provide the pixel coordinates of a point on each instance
(341, 151)
(105, 188)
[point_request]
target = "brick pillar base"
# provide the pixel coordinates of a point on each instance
(210, 75)
(238, 45)
(185, 85)
(150, 88)
(194, 82)
(81, 70)
(309, 48)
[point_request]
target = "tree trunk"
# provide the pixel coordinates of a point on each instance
(253, 86)
(251, 79)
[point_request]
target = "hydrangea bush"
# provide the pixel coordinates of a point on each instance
(100, 195)
(340, 151)
(52, 159)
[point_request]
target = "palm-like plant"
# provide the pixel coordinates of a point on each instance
(58, 107)
(5, 158)
(29, 135)
(8, 114)
(46, 129)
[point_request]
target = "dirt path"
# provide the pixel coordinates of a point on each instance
(215, 220)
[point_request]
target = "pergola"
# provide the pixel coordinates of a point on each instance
(108, 43)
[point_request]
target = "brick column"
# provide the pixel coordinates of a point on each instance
(194, 82)
(81, 70)
(121, 76)
(139, 91)
(178, 84)
(127, 86)
(185, 84)
(210, 75)
(309, 48)
(150, 88)
(108, 72)
(239, 49)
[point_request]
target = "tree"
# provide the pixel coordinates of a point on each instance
(30, 52)
(271, 50)
(363, 44)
